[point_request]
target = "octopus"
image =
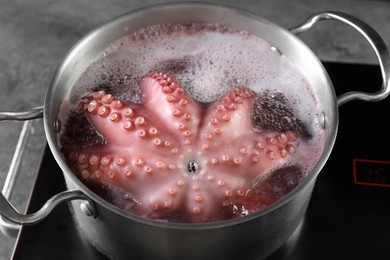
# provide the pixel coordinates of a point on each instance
(176, 156)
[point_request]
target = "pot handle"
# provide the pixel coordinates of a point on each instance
(374, 40)
(23, 115)
(10, 218)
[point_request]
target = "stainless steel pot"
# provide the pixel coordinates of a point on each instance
(120, 235)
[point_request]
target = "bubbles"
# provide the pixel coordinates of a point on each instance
(78, 131)
(240, 211)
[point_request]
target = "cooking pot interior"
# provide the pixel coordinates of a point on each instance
(91, 47)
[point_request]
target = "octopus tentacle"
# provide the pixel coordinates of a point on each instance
(132, 124)
(169, 104)
(230, 138)
(228, 120)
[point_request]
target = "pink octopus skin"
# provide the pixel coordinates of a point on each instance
(177, 156)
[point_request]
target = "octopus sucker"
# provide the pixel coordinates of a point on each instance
(94, 160)
(176, 155)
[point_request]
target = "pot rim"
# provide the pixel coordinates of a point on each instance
(50, 124)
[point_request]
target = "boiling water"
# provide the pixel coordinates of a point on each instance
(207, 60)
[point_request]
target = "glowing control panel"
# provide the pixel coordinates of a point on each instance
(371, 172)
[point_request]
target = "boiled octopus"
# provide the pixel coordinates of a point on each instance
(178, 157)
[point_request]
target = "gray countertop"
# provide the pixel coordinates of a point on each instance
(35, 35)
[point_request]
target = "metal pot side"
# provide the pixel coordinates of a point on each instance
(119, 237)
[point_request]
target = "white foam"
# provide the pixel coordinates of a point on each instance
(217, 61)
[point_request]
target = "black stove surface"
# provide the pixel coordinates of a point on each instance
(348, 216)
